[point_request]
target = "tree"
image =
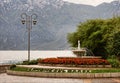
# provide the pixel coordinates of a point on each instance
(99, 35)
(116, 44)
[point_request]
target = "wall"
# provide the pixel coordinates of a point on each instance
(64, 75)
(3, 68)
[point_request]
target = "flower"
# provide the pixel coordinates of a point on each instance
(74, 61)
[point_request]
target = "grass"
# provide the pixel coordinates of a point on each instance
(48, 70)
(106, 71)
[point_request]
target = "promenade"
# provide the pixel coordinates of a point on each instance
(4, 78)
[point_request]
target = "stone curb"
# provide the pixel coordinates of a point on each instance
(64, 75)
(79, 66)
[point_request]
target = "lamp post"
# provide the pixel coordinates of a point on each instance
(29, 21)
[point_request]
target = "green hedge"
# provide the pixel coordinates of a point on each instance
(114, 61)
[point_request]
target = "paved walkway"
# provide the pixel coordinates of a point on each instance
(4, 78)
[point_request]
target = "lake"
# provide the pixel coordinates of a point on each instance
(16, 56)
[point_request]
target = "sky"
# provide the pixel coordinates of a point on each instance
(89, 2)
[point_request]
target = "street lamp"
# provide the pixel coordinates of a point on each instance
(29, 21)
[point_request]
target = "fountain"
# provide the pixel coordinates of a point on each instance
(79, 52)
(84, 52)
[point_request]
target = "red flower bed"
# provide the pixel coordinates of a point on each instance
(74, 61)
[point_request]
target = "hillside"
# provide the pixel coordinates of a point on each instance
(56, 18)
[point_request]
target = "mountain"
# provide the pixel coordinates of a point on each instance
(55, 19)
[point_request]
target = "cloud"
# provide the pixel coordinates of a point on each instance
(89, 2)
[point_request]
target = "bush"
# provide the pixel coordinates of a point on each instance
(25, 63)
(114, 61)
(12, 66)
(32, 62)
